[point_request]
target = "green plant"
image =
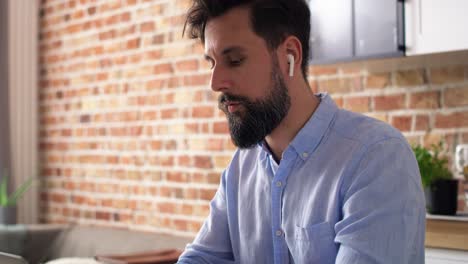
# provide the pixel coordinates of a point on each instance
(10, 200)
(432, 164)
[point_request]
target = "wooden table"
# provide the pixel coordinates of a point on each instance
(447, 232)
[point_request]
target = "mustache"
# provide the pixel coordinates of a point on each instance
(226, 97)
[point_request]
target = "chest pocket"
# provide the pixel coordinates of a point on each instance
(313, 244)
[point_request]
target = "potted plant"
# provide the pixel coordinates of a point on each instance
(8, 201)
(440, 188)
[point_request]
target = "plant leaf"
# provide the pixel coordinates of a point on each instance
(20, 191)
(4, 190)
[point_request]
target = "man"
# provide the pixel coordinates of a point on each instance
(310, 183)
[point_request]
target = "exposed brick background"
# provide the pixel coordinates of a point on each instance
(130, 134)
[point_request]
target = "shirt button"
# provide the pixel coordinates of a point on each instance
(305, 155)
(279, 184)
(279, 232)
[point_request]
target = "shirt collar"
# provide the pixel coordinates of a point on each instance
(308, 138)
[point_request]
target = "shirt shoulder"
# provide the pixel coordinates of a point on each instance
(363, 130)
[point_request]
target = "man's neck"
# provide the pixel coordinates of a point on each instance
(303, 105)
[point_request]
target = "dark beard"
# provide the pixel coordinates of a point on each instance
(262, 116)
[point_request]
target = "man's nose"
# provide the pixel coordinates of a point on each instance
(219, 80)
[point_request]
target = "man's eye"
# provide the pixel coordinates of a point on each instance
(236, 62)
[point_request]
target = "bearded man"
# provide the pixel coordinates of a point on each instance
(309, 183)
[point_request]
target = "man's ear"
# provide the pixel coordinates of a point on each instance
(292, 47)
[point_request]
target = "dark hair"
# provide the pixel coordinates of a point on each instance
(272, 20)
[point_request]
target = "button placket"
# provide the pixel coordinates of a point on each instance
(278, 187)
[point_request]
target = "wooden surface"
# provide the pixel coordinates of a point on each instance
(447, 234)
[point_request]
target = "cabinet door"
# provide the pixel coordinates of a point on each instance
(445, 256)
(331, 30)
(436, 26)
(378, 28)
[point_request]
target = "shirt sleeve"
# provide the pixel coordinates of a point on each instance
(212, 243)
(383, 208)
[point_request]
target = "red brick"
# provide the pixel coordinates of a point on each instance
(402, 123)
(193, 80)
(425, 100)
(58, 198)
(169, 113)
(140, 219)
(342, 85)
(158, 39)
(221, 128)
(186, 209)
(389, 102)
(215, 144)
(167, 161)
(207, 194)
(453, 120)
(167, 208)
(174, 20)
(78, 14)
(122, 217)
(446, 75)
(164, 68)
(191, 194)
(203, 162)
(91, 10)
(410, 77)
(147, 26)
(134, 43)
(203, 112)
(176, 177)
(422, 123)
(184, 161)
(214, 178)
(377, 80)
(202, 210)
(153, 55)
(187, 65)
(357, 104)
(181, 224)
(456, 97)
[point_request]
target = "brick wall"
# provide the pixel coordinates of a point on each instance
(130, 134)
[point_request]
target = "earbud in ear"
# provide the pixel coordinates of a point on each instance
(291, 65)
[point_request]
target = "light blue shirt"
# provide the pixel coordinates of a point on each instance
(347, 190)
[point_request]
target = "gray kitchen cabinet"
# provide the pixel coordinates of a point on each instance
(345, 30)
(331, 35)
(378, 28)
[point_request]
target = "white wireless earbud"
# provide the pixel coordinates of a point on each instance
(291, 65)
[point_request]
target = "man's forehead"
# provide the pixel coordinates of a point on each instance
(229, 30)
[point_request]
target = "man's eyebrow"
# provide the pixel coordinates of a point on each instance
(232, 49)
(227, 51)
